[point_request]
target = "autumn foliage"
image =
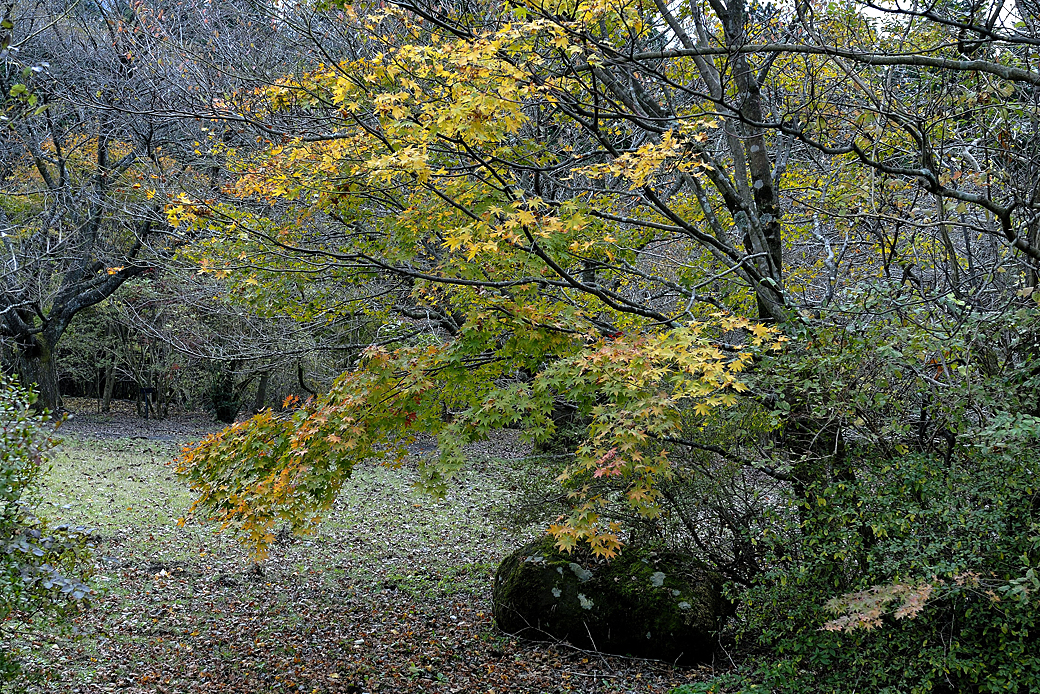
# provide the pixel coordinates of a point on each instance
(288, 469)
(584, 206)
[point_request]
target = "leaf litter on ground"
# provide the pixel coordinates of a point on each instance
(392, 594)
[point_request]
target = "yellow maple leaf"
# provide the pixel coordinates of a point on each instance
(760, 331)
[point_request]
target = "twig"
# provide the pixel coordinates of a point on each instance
(595, 648)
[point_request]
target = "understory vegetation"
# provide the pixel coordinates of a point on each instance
(43, 565)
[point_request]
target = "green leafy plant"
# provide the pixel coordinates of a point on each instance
(43, 569)
(903, 558)
(223, 399)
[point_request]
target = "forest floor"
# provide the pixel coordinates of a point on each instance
(391, 595)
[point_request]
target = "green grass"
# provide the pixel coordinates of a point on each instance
(127, 491)
(395, 568)
(379, 534)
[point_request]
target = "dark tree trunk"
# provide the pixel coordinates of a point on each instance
(110, 372)
(110, 384)
(261, 393)
(38, 371)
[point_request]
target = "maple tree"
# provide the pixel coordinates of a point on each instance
(568, 183)
(552, 312)
(523, 210)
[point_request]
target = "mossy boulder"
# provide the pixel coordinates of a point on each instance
(645, 602)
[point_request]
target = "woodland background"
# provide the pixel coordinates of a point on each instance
(754, 281)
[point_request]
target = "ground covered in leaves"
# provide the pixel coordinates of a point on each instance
(392, 594)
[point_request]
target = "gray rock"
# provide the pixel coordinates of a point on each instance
(644, 603)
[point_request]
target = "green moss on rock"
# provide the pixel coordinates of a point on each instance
(645, 602)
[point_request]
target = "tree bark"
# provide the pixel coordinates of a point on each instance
(110, 383)
(110, 370)
(261, 393)
(38, 371)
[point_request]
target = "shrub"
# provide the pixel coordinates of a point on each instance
(42, 568)
(903, 557)
(931, 569)
(223, 400)
(928, 563)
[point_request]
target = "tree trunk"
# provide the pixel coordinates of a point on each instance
(110, 384)
(110, 372)
(261, 393)
(38, 371)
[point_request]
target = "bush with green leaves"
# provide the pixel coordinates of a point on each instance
(927, 565)
(43, 569)
(901, 551)
(223, 399)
